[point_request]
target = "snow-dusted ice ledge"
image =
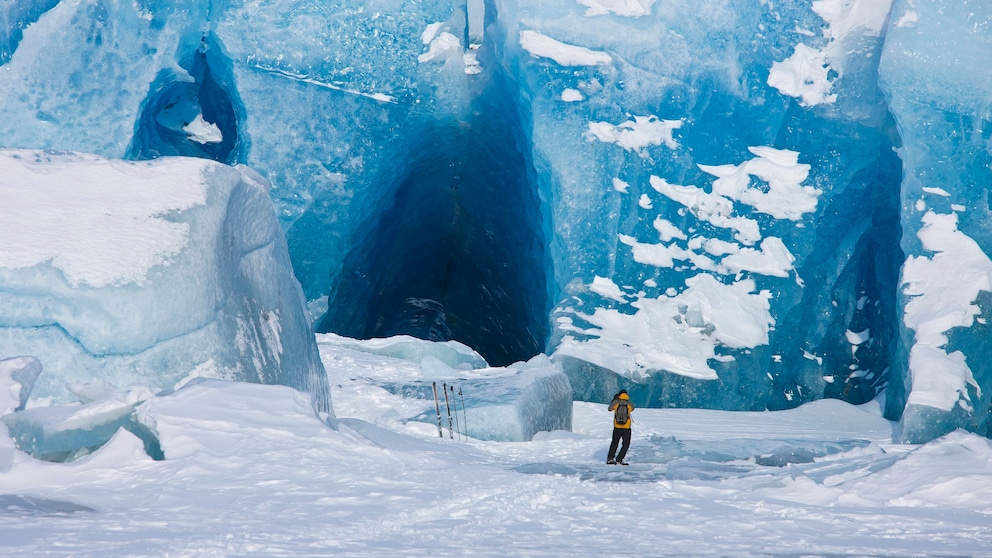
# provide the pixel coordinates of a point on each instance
(503, 404)
(148, 272)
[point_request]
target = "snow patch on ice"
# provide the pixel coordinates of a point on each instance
(605, 287)
(936, 191)
(665, 255)
(542, 46)
(712, 208)
(677, 334)
(472, 64)
(857, 337)
(909, 18)
(942, 291)
(201, 131)
(41, 221)
(636, 134)
(806, 74)
(772, 259)
(785, 198)
(626, 8)
(667, 231)
(430, 32)
(440, 46)
(846, 17)
(570, 95)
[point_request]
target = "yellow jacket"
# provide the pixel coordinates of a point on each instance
(624, 399)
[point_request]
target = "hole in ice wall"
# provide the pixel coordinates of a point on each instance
(457, 250)
(193, 118)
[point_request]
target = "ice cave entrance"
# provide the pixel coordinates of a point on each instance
(457, 250)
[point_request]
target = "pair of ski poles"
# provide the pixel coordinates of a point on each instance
(447, 405)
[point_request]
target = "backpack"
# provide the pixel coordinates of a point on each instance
(622, 413)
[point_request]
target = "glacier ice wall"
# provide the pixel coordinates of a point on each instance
(148, 273)
(934, 70)
(731, 197)
(733, 204)
(400, 171)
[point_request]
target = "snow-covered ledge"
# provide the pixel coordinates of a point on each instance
(148, 272)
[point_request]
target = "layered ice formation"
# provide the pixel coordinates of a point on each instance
(149, 273)
(729, 204)
(450, 386)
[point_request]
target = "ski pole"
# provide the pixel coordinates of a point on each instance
(455, 403)
(437, 408)
(464, 416)
(448, 407)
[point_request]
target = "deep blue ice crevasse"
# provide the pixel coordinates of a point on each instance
(456, 249)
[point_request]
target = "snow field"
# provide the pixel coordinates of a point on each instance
(250, 470)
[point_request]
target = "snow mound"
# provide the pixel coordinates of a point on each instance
(227, 419)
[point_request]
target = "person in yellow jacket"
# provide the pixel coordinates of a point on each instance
(622, 409)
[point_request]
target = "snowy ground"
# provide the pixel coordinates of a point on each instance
(249, 471)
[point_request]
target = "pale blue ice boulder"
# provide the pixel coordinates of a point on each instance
(487, 403)
(148, 273)
(509, 404)
(67, 432)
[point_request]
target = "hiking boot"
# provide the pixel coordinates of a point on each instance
(611, 462)
(622, 463)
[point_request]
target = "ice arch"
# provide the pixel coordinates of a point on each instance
(193, 115)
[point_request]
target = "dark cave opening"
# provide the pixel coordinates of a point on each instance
(459, 251)
(196, 118)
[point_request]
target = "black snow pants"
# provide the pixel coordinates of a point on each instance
(619, 434)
